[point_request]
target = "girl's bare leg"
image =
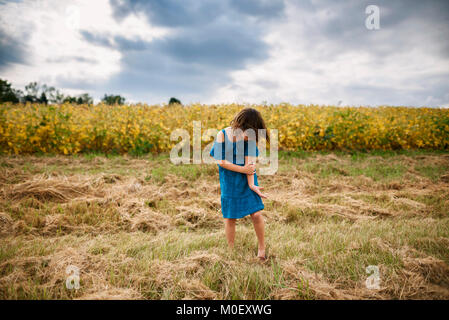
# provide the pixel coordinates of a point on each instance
(259, 227)
(230, 232)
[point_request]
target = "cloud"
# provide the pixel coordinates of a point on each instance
(14, 47)
(266, 9)
(187, 13)
(171, 13)
(11, 51)
(68, 59)
(208, 40)
(310, 51)
(323, 53)
(54, 48)
(97, 39)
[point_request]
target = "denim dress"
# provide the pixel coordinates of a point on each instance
(237, 199)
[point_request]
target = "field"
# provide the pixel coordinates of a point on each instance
(139, 129)
(141, 227)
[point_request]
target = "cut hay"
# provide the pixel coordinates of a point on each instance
(433, 270)
(195, 289)
(56, 223)
(53, 188)
(313, 284)
(112, 294)
(164, 273)
(423, 277)
(6, 224)
(149, 221)
(138, 236)
(196, 217)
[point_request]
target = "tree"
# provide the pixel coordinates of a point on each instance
(174, 101)
(85, 98)
(19, 94)
(43, 99)
(53, 95)
(113, 99)
(32, 89)
(80, 99)
(36, 93)
(69, 99)
(7, 94)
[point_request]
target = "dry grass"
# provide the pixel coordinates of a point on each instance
(142, 228)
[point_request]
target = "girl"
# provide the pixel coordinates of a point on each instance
(235, 150)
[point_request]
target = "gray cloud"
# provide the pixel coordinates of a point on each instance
(70, 59)
(97, 39)
(405, 27)
(209, 40)
(171, 13)
(343, 27)
(214, 38)
(114, 42)
(11, 51)
(266, 9)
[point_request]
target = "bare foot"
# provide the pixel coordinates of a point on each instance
(261, 254)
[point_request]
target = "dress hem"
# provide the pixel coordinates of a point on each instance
(251, 211)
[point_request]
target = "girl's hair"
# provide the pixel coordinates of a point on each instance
(249, 118)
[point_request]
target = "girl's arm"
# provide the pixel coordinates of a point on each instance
(250, 178)
(246, 169)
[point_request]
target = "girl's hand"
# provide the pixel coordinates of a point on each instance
(257, 189)
(249, 168)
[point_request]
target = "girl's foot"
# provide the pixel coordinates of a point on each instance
(261, 254)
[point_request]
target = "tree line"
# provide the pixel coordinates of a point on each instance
(36, 93)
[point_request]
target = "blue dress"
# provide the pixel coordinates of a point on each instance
(237, 199)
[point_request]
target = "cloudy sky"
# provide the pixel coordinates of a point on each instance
(209, 51)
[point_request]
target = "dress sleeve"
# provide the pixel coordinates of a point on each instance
(251, 149)
(218, 151)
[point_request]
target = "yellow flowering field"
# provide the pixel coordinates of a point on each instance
(138, 129)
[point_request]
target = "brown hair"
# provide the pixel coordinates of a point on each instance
(249, 118)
